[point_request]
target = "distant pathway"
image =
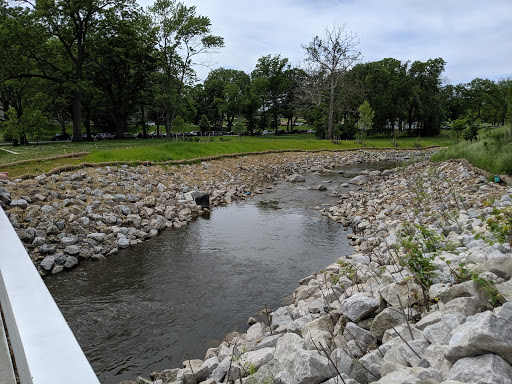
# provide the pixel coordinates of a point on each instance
(7, 150)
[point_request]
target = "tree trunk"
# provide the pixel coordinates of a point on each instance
(331, 109)
(77, 116)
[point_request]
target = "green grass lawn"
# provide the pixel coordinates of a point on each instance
(162, 150)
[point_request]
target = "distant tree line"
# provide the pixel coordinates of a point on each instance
(112, 64)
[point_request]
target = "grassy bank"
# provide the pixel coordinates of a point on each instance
(492, 152)
(162, 150)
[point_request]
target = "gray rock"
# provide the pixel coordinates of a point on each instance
(485, 369)
(258, 358)
(47, 249)
(38, 241)
(72, 250)
(119, 197)
(286, 348)
(71, 262)
(359, 180)
(123, 242)
(21, 203)
(465, 305)
(295, 178)
(281, 317)
(47, 263)
(388, 318)
(311, 368)
(505, 289)
(60, 258)
(415, 375)
(270, 341)
(363, 338)
(97, 236)
(48, 209)
(211, 363)
(441, 332)
(221, 370)
(69, 240)
(506, 311)
(488, 334)
(167, 376)
(359, 307)
(407, 290)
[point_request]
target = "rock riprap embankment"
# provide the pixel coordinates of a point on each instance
(92, 213)
(423, 299)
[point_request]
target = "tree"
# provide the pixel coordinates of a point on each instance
(72, 22)
(366, 115)
(271, 72)
(121, 62)
(204, 124)
(458, 126)
(333, 56)
(182, 37)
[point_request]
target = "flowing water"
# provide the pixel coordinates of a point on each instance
(158, 303)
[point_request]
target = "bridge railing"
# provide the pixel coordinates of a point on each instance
(45, 350)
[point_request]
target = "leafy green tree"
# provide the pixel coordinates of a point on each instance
(271, 72)
(332, 56)
(204, 124)
(72, 23)
(424, 102)
(121, 61)
(458, 126)
(366, 115)
(182, 37)
(251, 102)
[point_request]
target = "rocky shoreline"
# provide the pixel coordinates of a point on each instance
(378, 316)
(423, 298)
(65, 218)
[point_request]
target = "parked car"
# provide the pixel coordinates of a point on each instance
(127, 135)
(60, 136)
(104, 136)
(84, 137)
(265, 132)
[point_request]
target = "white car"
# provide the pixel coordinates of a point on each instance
(265, 132)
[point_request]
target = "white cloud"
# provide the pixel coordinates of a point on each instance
(473, 37)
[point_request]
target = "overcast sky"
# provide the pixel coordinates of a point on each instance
(473, 37)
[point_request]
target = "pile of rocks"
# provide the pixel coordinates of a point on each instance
(368, 317)
(92, 213)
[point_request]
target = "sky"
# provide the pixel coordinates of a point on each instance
(473, 37)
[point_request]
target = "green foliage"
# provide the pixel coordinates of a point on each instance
(178, 123)
(419, 246)
(204, 124)
(492, 153)
(458, 126)
(366, 115)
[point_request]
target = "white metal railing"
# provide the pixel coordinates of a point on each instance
(45, 349)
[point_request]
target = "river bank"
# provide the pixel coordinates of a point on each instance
(65, 218)
(424, 297)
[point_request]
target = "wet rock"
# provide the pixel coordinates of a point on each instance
(296, 178)
(359, 180)
(71, 262)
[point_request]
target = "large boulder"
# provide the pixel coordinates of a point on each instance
(415, 375)
(488, 334)
(485, 369)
